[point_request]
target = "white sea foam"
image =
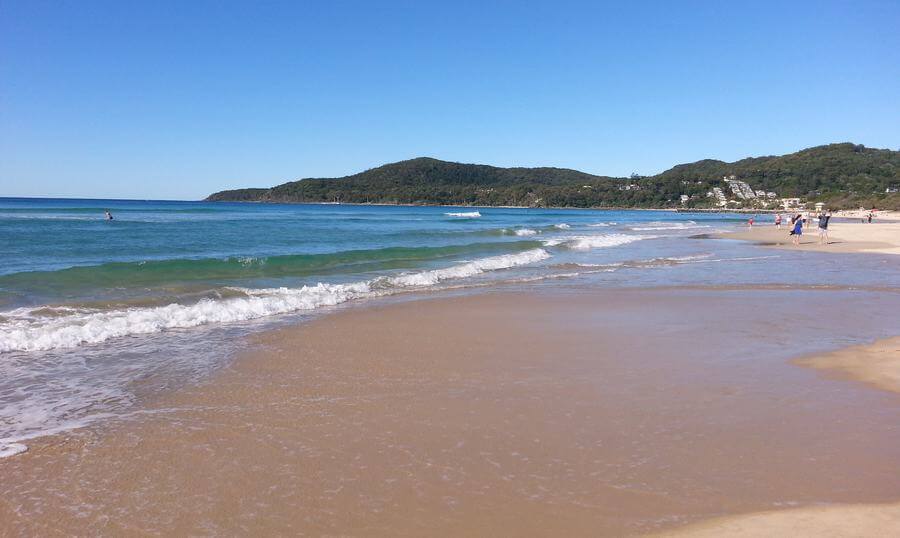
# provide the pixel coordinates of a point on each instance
(469, 269)
(688, 258)
(588, 242)
(737, 259)
(660, 226)
(525, 232)
(464, 214)
(27, 332)
(562, 226)
(602, 224)
(11, 449)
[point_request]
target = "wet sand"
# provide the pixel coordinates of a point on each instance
(578, 412)
(858, 521)
(844, 237)
(877, 364)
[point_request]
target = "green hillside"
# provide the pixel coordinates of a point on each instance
(844, 175)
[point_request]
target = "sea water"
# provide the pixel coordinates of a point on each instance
(95, 312)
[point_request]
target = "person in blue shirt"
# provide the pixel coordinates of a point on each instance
(798, 230)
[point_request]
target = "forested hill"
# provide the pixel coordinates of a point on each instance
(844, 175)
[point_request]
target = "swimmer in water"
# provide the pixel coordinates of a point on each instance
(108, 215)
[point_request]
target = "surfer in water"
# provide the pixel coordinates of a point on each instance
(108, 215)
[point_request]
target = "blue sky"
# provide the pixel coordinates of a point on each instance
(175, 100)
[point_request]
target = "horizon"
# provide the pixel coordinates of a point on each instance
(51, 197)
(174, 102)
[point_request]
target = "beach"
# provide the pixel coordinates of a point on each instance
(566, 410)
(409, 371)
(844, 236)
(449, 269)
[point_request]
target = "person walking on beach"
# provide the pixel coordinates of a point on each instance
(798, 229)
(750, 223)
(778, 221)
(823, 227)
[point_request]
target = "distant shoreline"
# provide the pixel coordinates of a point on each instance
(384, 204)
(845, 237)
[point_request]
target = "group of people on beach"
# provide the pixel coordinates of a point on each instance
(798, 221)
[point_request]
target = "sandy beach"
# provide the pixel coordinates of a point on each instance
(449, 269)
(541, 414)
(877, 364)
(844, 236)
(862, 521)
(883, 215)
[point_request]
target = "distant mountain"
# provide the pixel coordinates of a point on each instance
(844, 175)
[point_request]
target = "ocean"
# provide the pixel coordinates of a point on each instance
(96, 314)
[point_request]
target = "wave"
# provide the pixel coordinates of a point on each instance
(588, 242)
(464, 214)
(660, 226)
(525, 232)
(602, 224)
(690, 258)
(562, 226)
(23, 331)
(469, 269)
(156, 272)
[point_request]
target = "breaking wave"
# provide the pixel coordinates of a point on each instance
(156, 272)
(22, 330)
(464, 214)
(660, 226)
(588, 242)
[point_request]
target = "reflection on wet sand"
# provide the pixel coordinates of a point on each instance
(574, 411)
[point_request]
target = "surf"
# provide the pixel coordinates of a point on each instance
(23, 330)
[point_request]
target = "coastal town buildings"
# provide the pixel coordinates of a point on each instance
(742, 193)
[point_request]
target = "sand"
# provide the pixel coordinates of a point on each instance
(844, 237)
(851, 521)
(538, 414)
(877, 364)
(881, 215)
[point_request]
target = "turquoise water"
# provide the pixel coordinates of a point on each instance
(63, 252)
(94, 313)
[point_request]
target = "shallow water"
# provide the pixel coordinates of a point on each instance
(94, 313)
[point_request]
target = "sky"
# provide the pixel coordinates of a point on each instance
(175, 100)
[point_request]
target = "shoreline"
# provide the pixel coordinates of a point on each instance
(502, 412)
(886, 215)
(876, 364)
(385, 204)
(837, 521)
(844, 237)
